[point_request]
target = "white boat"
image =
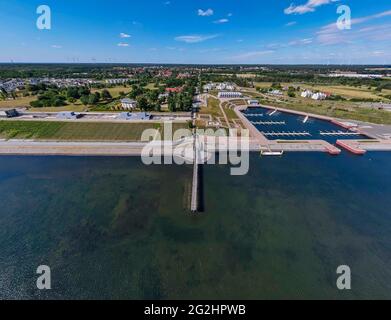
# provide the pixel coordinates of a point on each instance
(306, 119)
(272, 153)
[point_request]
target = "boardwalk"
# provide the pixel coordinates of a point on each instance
(195, 186)
(269, 123)
(339, 133)
(287, 134)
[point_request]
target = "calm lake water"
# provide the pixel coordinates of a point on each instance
(268, 121)
(114, 228)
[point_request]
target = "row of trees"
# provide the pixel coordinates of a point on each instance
(148, 99)
(61, 97)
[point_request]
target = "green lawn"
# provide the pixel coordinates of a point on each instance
(337, 109)
(115, 90)
(73, 131)
(213, 108)
(19, 102)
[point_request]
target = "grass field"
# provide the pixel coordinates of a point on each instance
(213, 108)
(72, 131)
(151, 86)
(343, 110)
(72, 107)
(348, 92)
(19, 102)
(114, 91)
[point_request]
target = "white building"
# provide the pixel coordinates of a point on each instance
(319, 96)
(128, 104)
(225, 86)
(230, 95)
(307, 94)
(208, 87)
(276, 92)
(164, 95)
(355, 75)
(117, 81)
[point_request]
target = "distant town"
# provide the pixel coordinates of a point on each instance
(192, 96)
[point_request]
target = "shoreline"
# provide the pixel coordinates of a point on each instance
(135, 149)
(258, 143)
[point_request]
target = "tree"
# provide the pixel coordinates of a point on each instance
(84, 91)
(291, 94)
(84, 99)
(142, 103)
(73, 92)
(94, 98)
(106, 95)
(171, 103)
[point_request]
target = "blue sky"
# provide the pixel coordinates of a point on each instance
(197, 31)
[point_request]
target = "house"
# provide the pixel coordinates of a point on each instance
(128, 104)
(184, 75)
(165, 73)
(208, 87)
(230, 95)
(12, 113)
(117, 81)
(68, 115)
(163, 96)
(225, 86)
(307, 94)
(276, 92)
(135, 116)
(319, 96)
(174, 90)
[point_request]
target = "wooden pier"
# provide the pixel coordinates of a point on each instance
(195, 201)
(339, 133)
(286, 134)
(269, 123)
(254, 115)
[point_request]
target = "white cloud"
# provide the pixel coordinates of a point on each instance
(253, 54)
(330, 34)
(221, 21)
(122, 44)
(195, 38)
(290, 24)
(310, 6)
(56, 46)
(301, 42)
(205, 13)
(378, 53)
(124, 35)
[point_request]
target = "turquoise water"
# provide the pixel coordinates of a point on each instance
(114, 228)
